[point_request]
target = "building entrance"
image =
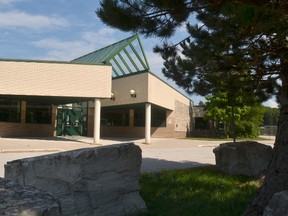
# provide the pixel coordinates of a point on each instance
(71, 122)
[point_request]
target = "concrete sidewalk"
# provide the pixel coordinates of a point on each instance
(161, 154)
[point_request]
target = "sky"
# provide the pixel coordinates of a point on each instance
(63, 30)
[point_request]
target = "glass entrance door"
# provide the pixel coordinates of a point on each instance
(71, 122)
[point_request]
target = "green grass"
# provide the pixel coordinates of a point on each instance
(203, 191)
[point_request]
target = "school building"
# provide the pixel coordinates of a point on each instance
(107, 93)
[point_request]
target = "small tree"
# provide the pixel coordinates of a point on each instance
(249, 125)
(247, 118)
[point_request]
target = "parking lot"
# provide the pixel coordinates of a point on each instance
(160, 154)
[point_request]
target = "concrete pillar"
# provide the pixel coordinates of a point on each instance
(97, 118)
(147, 123)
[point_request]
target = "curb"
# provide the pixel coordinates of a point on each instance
(29, 150)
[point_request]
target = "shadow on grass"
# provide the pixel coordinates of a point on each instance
(202, 191)
(152, 165)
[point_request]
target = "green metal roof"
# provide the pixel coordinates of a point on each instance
(126, 56)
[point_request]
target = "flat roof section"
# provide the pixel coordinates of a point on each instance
(57, 82)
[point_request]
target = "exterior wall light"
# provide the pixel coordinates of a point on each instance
(112, 96)
(133, 93)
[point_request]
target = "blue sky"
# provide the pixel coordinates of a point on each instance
(62, 30)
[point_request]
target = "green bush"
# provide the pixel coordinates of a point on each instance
(247, 129)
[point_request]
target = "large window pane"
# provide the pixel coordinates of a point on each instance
(158, 117)
(139, 117)
(38, 113)
(115, 117)
(10, 110)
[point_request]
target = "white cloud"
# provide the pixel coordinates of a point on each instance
(155, 61)
(271, 103)
(18, 19)
(9, 2)
(58, 49)
(63, 50)
(100, 38)
(68, 50)
(182, 28)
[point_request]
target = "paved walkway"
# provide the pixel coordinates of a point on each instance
(161, 154)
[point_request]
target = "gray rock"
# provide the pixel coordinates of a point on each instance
(278, 205)
(93, 181)
(16, 200)
(247, 158)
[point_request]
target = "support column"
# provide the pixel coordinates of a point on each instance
(97, 117)
(147, 123)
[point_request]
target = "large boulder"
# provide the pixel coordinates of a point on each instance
(278, 205)
(93, 181)
(16, 200)
(247, 158)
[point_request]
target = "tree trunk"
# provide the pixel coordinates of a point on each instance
(276, 178)
(233, 125)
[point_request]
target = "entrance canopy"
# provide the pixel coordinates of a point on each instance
(126, 57)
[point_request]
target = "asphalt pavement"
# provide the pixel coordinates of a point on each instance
(160, 154)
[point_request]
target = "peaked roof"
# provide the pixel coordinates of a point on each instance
(126, 56)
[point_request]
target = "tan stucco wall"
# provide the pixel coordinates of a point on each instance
(164, 95)
(178, 121)
(55, 79)
(149, 89)
(121, 89)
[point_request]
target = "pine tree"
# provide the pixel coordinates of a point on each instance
(238, 47)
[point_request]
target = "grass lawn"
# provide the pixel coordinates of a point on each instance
(203, 191)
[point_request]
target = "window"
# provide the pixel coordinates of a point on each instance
(10, 110)
(158, 117)
(139, 117)
(38, 113)
(115, 117)
(201, 123)
(120, 117)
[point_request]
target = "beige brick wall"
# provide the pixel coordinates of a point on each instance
(54, 79)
